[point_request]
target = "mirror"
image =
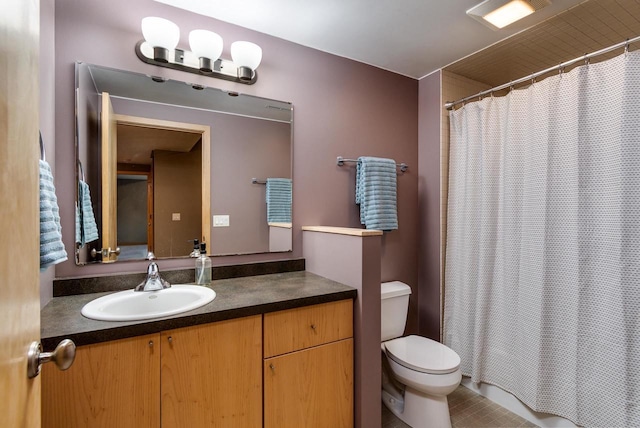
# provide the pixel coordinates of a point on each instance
(162, 162)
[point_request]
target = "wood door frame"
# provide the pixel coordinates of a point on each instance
(205, 132)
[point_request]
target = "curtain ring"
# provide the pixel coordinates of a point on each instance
(626, 48)
(560, 70)
(587, 60)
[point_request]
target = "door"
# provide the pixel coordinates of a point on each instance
(19, 248)
(109, 152)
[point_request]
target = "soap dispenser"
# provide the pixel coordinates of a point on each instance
(196, 248)
(203, 267)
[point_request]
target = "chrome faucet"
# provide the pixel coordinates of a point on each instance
(153, 281)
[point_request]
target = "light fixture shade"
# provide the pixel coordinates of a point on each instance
(205, 44)
(246, 54)
(160, 32)
(509, 13)
(497, 14)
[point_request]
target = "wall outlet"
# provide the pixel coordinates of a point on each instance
(175, 216)
(220, 221)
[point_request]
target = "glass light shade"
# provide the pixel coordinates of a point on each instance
(509, 13)
(160, 32)
(205, 44)
(246, 54)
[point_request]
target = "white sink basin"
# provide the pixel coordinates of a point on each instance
(141, 305)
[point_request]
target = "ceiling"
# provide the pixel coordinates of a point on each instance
(409, 37)
(588, 27)
(137, 143)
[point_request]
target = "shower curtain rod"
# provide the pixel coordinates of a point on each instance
(449, 104)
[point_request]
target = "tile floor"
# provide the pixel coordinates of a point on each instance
(468, 409)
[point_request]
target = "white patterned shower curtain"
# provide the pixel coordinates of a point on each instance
(542, 294)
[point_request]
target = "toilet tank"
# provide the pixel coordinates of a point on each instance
(394, 305)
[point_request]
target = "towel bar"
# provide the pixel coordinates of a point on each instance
(80, 171)
(340, 162)
(43, 154)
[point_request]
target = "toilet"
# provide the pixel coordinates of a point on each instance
(417, 373)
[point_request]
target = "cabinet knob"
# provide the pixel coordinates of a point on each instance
(151, 344)
(62, 356)
(272, 367)
(313, 327)
(170, 339)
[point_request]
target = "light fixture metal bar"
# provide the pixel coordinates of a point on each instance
(450, 104)
(178, 63)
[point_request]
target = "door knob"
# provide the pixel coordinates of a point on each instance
(106, 252)
(62, 356)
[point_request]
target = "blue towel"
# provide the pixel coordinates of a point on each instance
(278, 200)
(51, 247)
(86, 228)
(376, 193)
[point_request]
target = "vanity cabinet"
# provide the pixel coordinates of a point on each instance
(110, 384)
(211, 375)
(308, 366)
(207, 375)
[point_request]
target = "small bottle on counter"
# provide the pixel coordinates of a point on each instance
(203, 267)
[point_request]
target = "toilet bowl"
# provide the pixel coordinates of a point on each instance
(426, 370)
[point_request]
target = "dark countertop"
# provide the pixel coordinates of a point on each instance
(235, 298)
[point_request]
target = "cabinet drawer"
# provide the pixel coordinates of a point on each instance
(295, 329)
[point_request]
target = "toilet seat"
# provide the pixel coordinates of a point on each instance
(423, 355)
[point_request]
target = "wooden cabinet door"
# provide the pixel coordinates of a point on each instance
(110, 384)
(310, 388)
(211, 375)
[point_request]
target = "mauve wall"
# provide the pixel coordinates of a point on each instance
(243, 148)
(341, 108)
(429, 108)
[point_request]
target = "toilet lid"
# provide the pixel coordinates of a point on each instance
(423, 355)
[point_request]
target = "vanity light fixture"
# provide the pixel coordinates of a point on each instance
(161, 37)
(247, 56)
(498, 14)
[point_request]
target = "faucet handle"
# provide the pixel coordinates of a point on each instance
(153, 282)
(152, 270)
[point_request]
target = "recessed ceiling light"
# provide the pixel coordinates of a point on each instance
(498, 14)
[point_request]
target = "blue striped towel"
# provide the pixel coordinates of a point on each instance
(376, 192)
(51, 247)
(278, 197)
(86, 228)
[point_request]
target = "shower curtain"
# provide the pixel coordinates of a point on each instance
(542, 294)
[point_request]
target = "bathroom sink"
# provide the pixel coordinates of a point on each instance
(132, 305)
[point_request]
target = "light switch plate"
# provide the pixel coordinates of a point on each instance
(175, 216)
(220, 221)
